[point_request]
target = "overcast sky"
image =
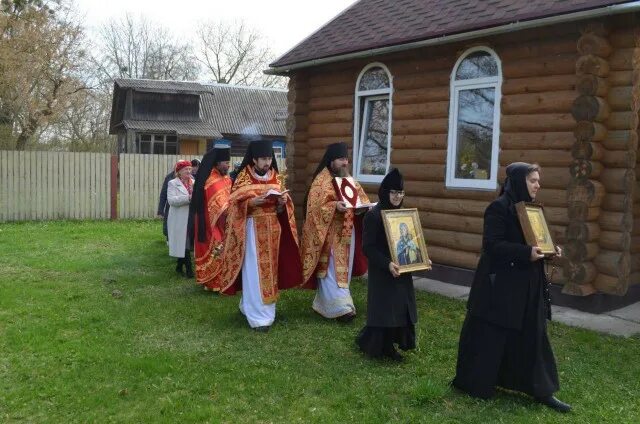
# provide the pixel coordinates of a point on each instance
(284, 22)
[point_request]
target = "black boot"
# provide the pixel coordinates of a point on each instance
(553, 403)
(179, 266)
(187, 265)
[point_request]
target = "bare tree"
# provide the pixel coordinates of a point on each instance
(235, 54)
(39, 66)
(136, 48)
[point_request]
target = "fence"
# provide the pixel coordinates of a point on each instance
(61, 185)
(54, 185)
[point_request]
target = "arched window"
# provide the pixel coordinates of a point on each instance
(372, 124)
(474, 120)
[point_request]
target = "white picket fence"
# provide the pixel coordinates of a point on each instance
(54, 185)
(60, 185)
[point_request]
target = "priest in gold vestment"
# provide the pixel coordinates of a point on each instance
(331, 246)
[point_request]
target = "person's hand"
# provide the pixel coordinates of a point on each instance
(394, 269)
(282, 200)
(341, 206)
(558, 252)
(429, 263)
(258, 201)
(536, 254)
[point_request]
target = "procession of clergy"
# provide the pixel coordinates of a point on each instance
(245, 239)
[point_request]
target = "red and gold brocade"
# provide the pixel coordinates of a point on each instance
(276, 237)
(324, 229)
(217, 190)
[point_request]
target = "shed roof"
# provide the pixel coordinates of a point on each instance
(373, 24)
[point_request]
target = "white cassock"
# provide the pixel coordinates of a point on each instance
(257, 313)
(332, 301)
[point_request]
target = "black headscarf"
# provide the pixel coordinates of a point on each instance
(197, 205)
(259, 149)
(334, 151)
(392, 181)
(515, 185)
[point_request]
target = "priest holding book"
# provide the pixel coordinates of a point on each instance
(260, 254)
(331, 246)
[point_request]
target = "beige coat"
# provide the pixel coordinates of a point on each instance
(178, 199)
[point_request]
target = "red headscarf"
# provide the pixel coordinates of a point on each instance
(186, 179)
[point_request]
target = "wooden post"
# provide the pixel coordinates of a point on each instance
(114, 187)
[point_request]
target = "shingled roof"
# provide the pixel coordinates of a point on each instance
(224, 109)
(373, 24)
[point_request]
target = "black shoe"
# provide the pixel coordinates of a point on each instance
(179, 269)
(346, 318)
(553, 403)
(189, 273)
(262, 329)
(394, 355)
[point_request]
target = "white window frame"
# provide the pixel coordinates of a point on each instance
(452, 142)
(358, 134)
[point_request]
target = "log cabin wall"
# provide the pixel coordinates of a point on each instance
(539, 94)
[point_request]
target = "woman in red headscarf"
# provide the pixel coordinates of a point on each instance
(179, 193)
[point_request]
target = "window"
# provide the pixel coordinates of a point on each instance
(158, 144)
(372, 124)
(474, 121)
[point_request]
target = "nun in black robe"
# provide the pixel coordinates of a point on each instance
(504, 338)
(391, 301)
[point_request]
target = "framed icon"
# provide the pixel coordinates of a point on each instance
(405, 239)
(534, 226)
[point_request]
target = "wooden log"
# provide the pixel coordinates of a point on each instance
(453, 257)
(622, 59)
(613, 263)
(616, 221)
(592, 65)
(610, 285)
(622, 121)
(588, 151)
(590, 108)
(331, 102)
(331, 116)
(335, 77)
(343, 129)
(552, 197)
(621, 140)
(587, 131)
(584, 215)
(615, 241)
(300, 110)
(544, 158)
(591, 85)
(453, 240)
(623, 38)
(431, 141)
(537, 122)
(582, 231)
(634, 279)
(616, 202)
(421, 95)
(635, 262)
(585, 169)
(420, 63)
(422, 80)
(623, 78)
(579, 273)
(563, 64)
(401, 157)
(619, 159)
(547, 102)
(557, 233)
(541, 47)
(322, 142)
(557, 216)
(449, 206)
(443, 221)
(438, 190)
(618, 180)
(421, 126)
(541, 140)
(576, 251)
(420, 172)
(592, 44)
(584, 194)
(550, 83)
(619, 98)
(551, 177)
(300, 136)
(342, 89)
(421, 111)
(578, 289)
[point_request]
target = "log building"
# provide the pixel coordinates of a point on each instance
(452, 91)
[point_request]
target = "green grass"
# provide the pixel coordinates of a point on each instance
(163, 350)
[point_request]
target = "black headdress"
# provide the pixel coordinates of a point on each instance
(334, 151)
(392, 181)
(209, 161)
(515, 185)
(259, 149)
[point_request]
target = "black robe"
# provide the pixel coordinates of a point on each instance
(391, 302)
(504, 338)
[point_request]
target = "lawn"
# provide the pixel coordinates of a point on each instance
(95, 326)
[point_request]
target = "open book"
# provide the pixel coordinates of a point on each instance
(274, 194)
(360, 206)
